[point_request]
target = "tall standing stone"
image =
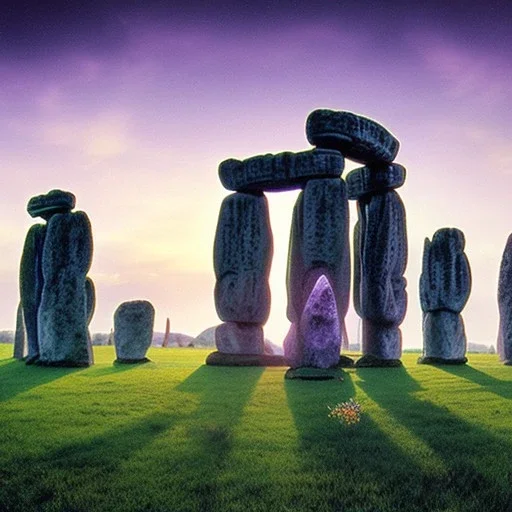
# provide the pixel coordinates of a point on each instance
(445, 285)
(31, 286)
(133, 331)
(65, 309)
(242, 259)
(318, 277)
(20, 339)
(505, 305)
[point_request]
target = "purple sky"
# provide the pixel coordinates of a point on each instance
(132, 109)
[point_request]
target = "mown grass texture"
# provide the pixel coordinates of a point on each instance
(175, 435)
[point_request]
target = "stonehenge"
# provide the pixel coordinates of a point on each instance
(445, 285)
(318, 275)
(57, 297)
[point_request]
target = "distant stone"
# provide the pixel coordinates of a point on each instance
(46, 205)
(374, 179)
(133, 330)
(20, 339)
(356, 137)
(239, 338)
(242, 257)
(272, 349)
(63, 317)
(221, 359)
(284, 171)
(31, 287)
(370, 361)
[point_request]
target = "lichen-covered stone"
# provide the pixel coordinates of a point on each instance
(374, 179)
(62, 320)
(133, 330)
(239, 338)
(242, 258)
(445, 281)
(319, 248)
(20, 339)
(505, 304)
(382, 256)
(284, 171)
(31, 286)
(444, 336)
(357, 137)
(46, 205)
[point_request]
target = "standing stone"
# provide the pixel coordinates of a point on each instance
(133, 331)
(63, 314)
(242, 259)
(445, 285)
(505, 305)
(31, 287)
(380, 246)
(318, 277)
(20, 339)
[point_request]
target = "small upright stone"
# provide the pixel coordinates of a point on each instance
(505, 305)
(133, 331)
(284, 171)
(445, 285)
(46, 205)
(356, 137)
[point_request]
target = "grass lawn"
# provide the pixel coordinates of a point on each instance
(175, 435)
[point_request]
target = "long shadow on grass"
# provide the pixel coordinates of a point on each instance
(223, 393)
(477, 461)
(16, 377)
(499, 387)
(347, 467)
(90, 466)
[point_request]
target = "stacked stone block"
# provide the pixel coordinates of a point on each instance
(445, 285)
(56, 296)
(380, 240)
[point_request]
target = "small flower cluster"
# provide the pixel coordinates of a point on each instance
(347, 412)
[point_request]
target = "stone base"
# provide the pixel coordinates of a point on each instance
(345, 362)
(440, 360)
(239, 338)
(369, 361)
(308, 373)
(132, 361)
(507, 362)
(31, 360)
(61, 364)
(222, 359)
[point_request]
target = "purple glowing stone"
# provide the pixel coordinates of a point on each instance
(317, 341)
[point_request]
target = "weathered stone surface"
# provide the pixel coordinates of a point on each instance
(133, 330)
(239, 338)
(46, 205)
(357, 137)
(505, 304)
(445, 281)
(62, 321)
(242, 258)
(373, 179)
(319, 246)
(379, 289)
(222, 359)
(444, 336)
(284, 171)
(20, 339)
(31, 286)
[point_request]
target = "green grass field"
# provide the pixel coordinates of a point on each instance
(175, 435)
